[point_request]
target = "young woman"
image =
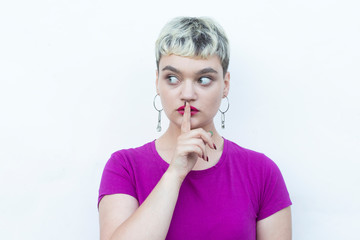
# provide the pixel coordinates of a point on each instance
(191, 183)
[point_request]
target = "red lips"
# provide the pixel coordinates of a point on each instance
(194, 110)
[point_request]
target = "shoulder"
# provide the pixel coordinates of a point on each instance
(134, 151)
(253, 163)
(130, 156)
(266, 186)
(250, 156)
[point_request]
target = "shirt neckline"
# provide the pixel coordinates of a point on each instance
(194, 173)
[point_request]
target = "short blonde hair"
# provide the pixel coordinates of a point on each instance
(193, 37)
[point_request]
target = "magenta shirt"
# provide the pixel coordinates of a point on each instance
(222, 202)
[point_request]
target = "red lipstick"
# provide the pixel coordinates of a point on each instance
(193, 110)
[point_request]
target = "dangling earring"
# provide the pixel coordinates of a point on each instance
(223, 113)
(158, 128)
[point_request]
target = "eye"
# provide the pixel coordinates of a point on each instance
(173, 79)
(204, 81)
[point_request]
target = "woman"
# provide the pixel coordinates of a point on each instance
(191, 183)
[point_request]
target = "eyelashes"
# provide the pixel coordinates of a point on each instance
(203, 81)
(173, 79)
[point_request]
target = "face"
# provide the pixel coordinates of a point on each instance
(200, 82)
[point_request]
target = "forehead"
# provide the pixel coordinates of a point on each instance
(190, 64)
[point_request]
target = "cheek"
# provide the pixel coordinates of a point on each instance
(166, 102)
(215, 100)
(218, 101)
(216, 104)
(212, 106)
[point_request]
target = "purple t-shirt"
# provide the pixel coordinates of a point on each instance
(222, 202)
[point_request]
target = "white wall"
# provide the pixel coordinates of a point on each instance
(77, 83)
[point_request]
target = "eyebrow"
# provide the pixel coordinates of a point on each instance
(207, 70)
(170, 68)
(202, 71)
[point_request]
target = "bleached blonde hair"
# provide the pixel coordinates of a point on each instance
(193, 37)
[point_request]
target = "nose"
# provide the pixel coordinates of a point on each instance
(188, 91)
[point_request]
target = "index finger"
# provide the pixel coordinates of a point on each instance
(185, 124)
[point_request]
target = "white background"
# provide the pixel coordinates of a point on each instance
(77, 83)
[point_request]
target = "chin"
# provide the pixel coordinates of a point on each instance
(196, 124)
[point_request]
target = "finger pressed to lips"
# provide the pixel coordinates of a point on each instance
(197, 137)
(185, 124)
(193, 110)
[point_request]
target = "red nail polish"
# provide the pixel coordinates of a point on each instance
(207, 158)
(215, 146)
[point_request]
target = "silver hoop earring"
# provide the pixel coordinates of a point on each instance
(223, 113)
(158, 128)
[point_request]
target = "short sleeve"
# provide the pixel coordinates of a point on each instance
(274, 194)
(117, 177)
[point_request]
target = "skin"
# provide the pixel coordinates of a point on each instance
(186, 145)
(202, 84)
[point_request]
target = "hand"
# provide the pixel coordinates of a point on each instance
(191, 145)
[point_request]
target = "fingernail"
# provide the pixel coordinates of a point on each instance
(203, 157)
(207, 158)
(215, 146)
(211, 133)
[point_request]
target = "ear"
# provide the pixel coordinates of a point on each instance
(157, 81)
(226, 84)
